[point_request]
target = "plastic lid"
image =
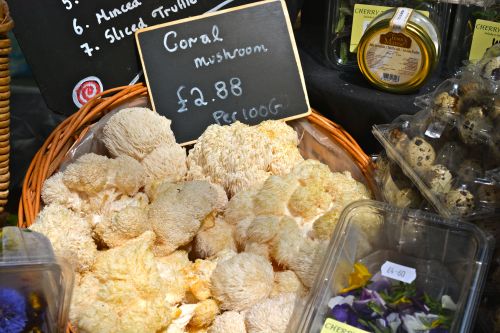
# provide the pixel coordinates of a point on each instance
(23, 246)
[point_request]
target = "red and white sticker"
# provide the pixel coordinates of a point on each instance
(86, 89)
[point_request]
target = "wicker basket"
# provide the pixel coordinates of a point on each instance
(53, 151)
(70, 131)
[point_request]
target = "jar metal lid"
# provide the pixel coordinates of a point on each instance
(413, 38)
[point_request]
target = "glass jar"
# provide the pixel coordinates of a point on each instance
(399, 50)
(476, 27)
(347, 20)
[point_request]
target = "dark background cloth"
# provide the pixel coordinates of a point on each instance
(346, 97)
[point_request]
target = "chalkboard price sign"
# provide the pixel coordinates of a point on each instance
(77, 48)
(239, 64)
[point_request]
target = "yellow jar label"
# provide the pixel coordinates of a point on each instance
(393, 58)
(486, 34)
(334, 326)
(363, 15)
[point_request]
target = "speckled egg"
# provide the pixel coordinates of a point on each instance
(420, 154)
(445, 106)
(439, 178)
(460, 202)
(475, 127)
(399, 139)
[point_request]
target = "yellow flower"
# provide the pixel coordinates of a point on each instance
(403, 299)
(358, 278)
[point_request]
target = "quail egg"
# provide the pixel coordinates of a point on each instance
(399, 139)
(439, 178)
(420, 154)
(460, 201)
(475, 127)
(445, 106)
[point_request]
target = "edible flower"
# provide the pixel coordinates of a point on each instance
(358, 278)
(418, 322)
(13, 315)
(384, 305)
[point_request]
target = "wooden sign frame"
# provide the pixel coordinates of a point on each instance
(221, 12)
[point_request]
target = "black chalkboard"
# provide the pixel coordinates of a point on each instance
(236, 64)
(87, 41)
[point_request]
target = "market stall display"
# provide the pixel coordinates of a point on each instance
(194, 261)
(421, 273)
(35, 285)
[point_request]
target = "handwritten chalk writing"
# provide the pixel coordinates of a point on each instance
(236, 90)
(115, 12)
(114, 34)
(87, 49)
(78, 29)
(272, 108)
(225, 55)
(173, 46)
(221, 91)
(165, 12)
(398, 272)
(68, 4)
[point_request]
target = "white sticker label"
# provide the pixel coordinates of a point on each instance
(399, 272)
(400, 19)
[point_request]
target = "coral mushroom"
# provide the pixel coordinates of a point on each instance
(241, 156)
(242, 281)
(124, 293)
(228, 322)
(177, 213)
(69, 234)
(136, 132)
(270, 315)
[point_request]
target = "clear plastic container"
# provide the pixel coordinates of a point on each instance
(441, 257)
(451, 150)
(347, 20)
(396, 188)
(470, 33)
(35, 286)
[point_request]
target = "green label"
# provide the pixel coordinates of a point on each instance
(333, 326)
(486, 34)
(363, 15)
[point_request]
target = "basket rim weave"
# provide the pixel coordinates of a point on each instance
(48, 158)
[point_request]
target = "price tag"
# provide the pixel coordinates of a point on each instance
(399, 272)
(334, 326)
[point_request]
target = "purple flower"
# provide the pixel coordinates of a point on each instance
(13, 316)
(380, 283)
(345, 314)
(342, 312)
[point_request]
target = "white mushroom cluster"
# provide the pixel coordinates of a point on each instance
(158, 246)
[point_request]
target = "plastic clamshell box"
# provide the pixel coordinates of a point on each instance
(449, 257)
(473, 170)
(40, 281)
